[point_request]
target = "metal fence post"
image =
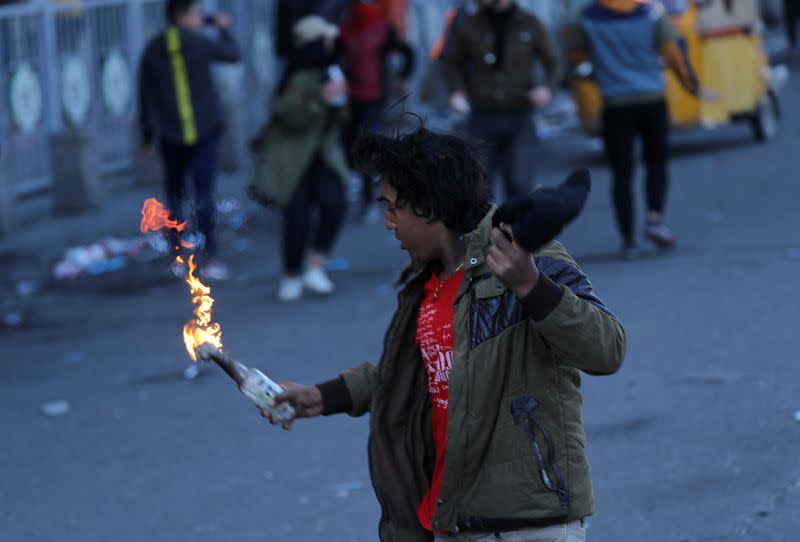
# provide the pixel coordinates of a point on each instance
(7, 195)
(74, 154)
(136, 37)
(50, 64)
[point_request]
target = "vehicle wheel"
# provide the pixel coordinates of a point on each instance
(766, 118)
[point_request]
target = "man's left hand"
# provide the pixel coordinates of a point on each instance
(512, 264)
(541, 96)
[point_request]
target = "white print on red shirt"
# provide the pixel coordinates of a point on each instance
(435, 340)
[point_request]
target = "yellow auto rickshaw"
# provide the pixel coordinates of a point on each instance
(725, 49)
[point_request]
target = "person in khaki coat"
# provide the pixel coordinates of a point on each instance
(300, 162)
(476, 430)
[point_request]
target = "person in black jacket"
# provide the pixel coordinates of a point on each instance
(180, 111)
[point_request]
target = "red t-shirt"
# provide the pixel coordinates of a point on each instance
(436, 343)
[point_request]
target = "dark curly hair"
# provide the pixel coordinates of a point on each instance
(440, 176)
(175, 8)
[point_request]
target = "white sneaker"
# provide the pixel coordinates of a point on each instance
(290, 290)
(316, 280)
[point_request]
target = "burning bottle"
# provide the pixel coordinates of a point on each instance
(201, 335)
(251, 382)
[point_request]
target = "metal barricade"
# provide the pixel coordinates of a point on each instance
(24, 128)
(257, 24)
(73, 64)
(97, 47)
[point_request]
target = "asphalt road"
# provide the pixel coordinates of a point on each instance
(693, 440)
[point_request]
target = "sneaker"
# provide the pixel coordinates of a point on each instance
(660, 234)
(215, 270)
(316, 280)
(290, 289)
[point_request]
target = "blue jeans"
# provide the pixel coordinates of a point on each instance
(200, 160)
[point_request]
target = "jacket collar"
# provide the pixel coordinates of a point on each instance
(477, 244)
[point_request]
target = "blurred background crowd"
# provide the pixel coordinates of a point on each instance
(275, 92)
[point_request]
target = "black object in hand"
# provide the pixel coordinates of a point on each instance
(536, 219)
(210, 19)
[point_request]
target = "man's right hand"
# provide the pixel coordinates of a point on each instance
(459, 102)
(306, 400)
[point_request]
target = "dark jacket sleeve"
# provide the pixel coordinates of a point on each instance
(547, 52)
(223, 49)
(455, 57)
(351, 392)
(580, 330)
(394, 43)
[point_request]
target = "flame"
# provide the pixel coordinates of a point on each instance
(201, 329)
(155, 217)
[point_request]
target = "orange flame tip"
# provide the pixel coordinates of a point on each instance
(156, 217)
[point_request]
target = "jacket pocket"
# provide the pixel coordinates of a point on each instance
(542, 446)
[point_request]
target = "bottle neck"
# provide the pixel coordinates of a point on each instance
(232, 368)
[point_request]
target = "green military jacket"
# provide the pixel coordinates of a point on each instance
(515, 438)
(302, 125)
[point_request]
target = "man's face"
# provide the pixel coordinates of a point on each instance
(192, 18)
(420, 237)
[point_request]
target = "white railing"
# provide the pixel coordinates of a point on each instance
(71, 65)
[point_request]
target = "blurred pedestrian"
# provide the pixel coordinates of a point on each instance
(300, 164)
(433, 89)
(476, 429)
(624, 40)
(367, 40)
(490, 58)
(396, 13)
(179, 109)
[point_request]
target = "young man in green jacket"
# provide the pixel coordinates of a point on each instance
(476, 424)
